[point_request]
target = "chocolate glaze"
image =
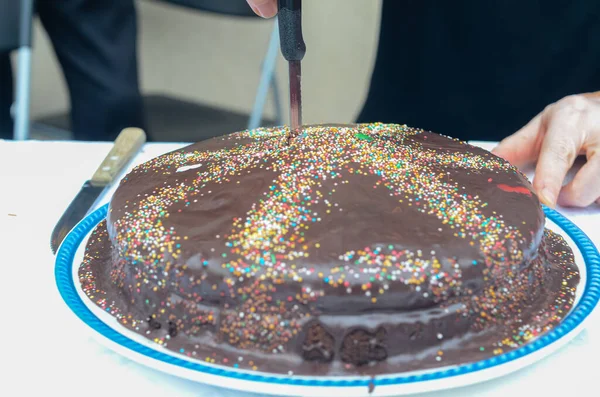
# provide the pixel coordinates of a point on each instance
(390, 244)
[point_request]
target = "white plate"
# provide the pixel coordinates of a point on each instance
(136, 347)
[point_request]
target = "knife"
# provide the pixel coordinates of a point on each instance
(126, 146)
(293, 49)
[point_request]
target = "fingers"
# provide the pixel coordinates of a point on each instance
(562, 141)
(584, 189)
(264, 8)
(554, 138)
(522, 147)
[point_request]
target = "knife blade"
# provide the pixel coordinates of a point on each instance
(293, 50)
(295, 95)
(125, 147)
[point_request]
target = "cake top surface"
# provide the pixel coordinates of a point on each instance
(357, 217)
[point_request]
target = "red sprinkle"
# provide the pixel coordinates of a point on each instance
(515, 189)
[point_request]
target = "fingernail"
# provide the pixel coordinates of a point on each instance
(265, 10)
(547, 198)
(498, 153)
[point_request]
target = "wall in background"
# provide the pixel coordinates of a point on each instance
(215, 59)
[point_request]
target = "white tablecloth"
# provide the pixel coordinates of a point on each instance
(45, 348)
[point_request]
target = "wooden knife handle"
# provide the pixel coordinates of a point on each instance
(126, 146)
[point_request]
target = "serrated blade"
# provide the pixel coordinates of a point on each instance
(77, 210)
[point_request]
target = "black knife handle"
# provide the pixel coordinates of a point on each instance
(290, 29)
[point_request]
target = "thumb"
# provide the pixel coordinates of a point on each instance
(522, 147)
(264, 8)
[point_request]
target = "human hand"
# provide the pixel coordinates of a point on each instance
(264, 8)
(554, 138)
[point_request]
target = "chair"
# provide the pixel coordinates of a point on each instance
(237, 8)
(174, 119)
(16, 20)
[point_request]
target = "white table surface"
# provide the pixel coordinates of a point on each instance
(45, 348)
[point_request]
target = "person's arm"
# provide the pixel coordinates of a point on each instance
(554, 139)
(264, 8)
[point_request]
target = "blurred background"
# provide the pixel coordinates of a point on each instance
(200, 70)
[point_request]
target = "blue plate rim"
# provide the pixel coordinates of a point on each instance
(591, 295)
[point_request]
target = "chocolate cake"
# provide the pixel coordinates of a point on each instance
(357, 249)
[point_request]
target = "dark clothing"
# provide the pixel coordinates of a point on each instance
(95, 42)
(6, 97)
(477, 69)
